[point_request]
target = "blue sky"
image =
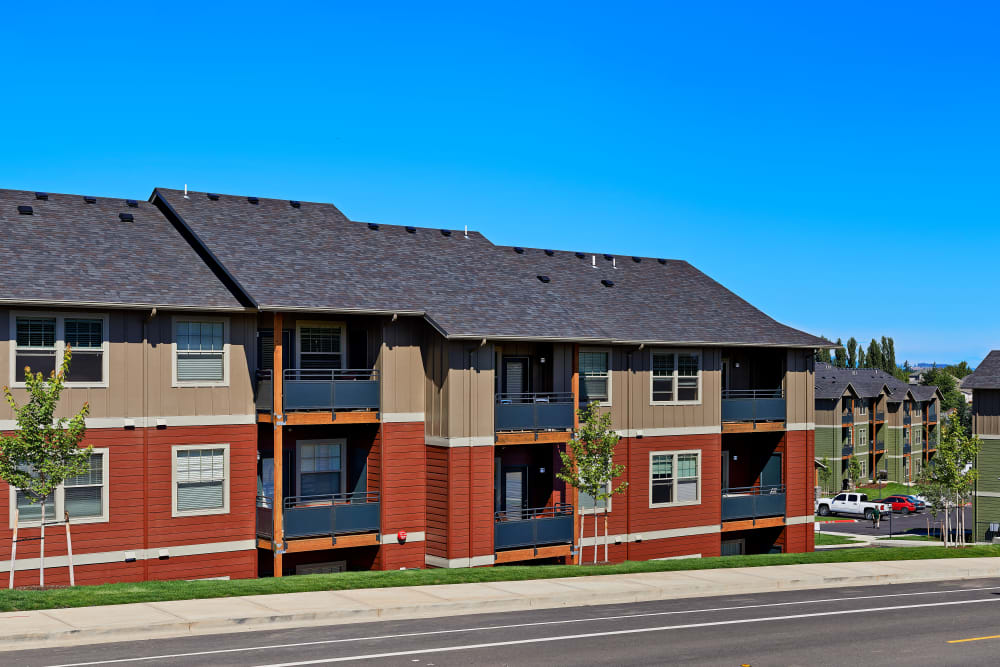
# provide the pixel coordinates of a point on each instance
(814, 159)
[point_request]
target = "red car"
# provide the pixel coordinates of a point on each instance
(899, 504)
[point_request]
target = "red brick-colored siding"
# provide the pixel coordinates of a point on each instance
(404, 493)
(140, 517)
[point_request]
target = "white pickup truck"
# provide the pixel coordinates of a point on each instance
(851, 503)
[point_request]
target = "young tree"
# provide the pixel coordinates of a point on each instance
(43, 450)
(854, 470)
(825, 475)
(840, 356)
(852, 352)
(950, 482)
(589, 467)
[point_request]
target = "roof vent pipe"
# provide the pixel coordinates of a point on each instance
(593, 261)
(614, 263)
(466, 231)
(186, 191)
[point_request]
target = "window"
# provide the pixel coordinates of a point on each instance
(676, 377)
(83, 497)
(595, 378)
(200, 479)
(588, 504)
(321, 346)
(674, 478)
(201, 352)
(321, 467)
(41, 340)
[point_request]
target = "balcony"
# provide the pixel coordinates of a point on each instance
(880, 446)
(533, 527)
(321, 516)
(847, 450)
(932, 416)
(907, 419)
(752, 502)
(879, 417)
(534, 412)
(321, 390)
(753, 409)
(847, 420)
(907, 448)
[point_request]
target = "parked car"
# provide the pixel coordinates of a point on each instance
(850, 503)
(900, 504)
(920, 502)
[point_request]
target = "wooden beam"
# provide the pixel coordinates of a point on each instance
(515, 555)
(751, 427)
(277, 402)
(327, 418)
(749, 524)
(323, 543)
(532, 438)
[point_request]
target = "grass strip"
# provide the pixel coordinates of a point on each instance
(158, 591)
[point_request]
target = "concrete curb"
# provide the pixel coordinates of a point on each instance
(133, 622)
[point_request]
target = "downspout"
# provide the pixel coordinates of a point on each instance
(145, 442)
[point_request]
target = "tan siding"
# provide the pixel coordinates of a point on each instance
(986, 411)
(471, 390)
(632, 393)
(800, 388)
(435, 384)
(401, 366)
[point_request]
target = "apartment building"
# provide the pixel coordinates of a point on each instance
(985, 386)
(891, 426)
(377, 396)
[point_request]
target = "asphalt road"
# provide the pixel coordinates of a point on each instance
(914, 524)
(949, 623)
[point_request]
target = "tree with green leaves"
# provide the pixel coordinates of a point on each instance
(825, 475)
(823, 356)
(862, 357)
(950, 482)
(874, 354)
(854, 470)
(888, 365)
(588, 464)
(959, 370)
(44, 450)
(840, 356)
(952, 397)
(852, 352)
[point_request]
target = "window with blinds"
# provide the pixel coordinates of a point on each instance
(674, 478)
(83, 495)
(86, 339)
(676, 377)
(320, 348)
(320, 469)
(36, 346)
(594, 376)
(30, 511)
(200, 476)
(200, 351)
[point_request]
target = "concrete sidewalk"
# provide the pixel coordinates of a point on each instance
(133, 622)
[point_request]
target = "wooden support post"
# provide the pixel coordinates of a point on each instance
(41, 551)
(277, 425)
(69, 551)
(574, 386)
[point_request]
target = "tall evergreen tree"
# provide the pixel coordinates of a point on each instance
(874, 354)
(823, 356)
(891, 355)
(840, 355)
(862, 359)
(885, 356)
(852, 352)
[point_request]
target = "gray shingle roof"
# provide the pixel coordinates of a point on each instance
(868, 382)
(986, 375)
(923, 392)
(312, 257)
(70, 251)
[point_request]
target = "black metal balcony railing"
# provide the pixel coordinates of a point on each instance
(753, 405)
(534, 411)
(847, 420)
(750, 502)
(321, 389)
(880, 416)
(313, 516)
(533, 527)
(880, 445)
(907, 420)
(907, 448)
(847, 450)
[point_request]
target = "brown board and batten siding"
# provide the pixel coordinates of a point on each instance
(986, 412)
(631, 393)
(401, 367)
(471, 396)
(141, 373)
(800, 388)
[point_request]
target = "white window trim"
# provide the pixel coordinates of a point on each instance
(607, 350)
(60, 318)
(60, 499)
(173, 480)
(321, 324)
(675, 454)
(225, 352)
(675, 352)
(341, 442)
(594, 510)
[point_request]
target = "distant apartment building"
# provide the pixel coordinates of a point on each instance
(985, 386)
(277, 389)
(891, 427)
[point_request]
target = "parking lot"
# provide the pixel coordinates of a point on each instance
(914, 524)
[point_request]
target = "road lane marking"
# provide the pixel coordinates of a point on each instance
(611, 633)
(972, 639)
(321, 642)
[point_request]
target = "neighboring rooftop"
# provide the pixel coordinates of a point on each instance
(986, 375)
(294, 254)
(867, 382)
(76, 249)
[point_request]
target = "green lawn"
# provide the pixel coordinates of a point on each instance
(912, 538)
(888, 489)
(824, 540)
(154, 591)
(824, 519)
